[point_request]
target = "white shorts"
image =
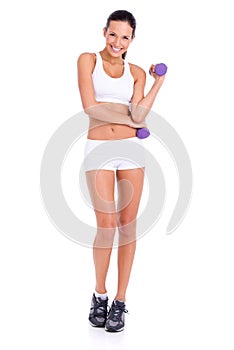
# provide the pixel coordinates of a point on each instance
(114, 154)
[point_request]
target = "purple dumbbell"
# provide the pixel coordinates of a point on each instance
(160, 69)
(142, 133)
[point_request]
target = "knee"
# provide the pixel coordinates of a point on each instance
(107, 223)
(105, 232)
(126, 229)
(126, 223)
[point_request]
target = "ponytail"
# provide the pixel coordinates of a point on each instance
(124, 55)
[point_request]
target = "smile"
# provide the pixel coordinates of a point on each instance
(115, 49)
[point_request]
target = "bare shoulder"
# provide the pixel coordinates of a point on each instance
(137, 72)
(86, 58)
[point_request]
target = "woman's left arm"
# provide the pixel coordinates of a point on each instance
(140, 104)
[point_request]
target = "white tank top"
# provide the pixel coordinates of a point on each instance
(108, 89)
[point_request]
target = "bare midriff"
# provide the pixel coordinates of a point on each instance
(111, 132)
(99, 130)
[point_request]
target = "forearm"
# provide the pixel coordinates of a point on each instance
(140, 110)
(111, 113)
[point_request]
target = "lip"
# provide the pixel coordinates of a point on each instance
(115, 49)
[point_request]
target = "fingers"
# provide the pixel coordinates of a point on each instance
(151, 70)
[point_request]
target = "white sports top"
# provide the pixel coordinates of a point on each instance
(108, 89)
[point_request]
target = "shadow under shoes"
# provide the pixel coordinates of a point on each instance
(98, 312)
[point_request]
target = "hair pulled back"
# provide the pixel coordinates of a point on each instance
(124, 16)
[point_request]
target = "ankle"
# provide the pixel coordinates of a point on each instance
(103, 296)
(120, 298)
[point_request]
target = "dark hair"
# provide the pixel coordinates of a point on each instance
(124, 16)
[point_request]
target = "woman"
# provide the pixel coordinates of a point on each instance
(112, 94)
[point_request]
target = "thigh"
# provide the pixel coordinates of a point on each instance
(130, 186)
(101, 185)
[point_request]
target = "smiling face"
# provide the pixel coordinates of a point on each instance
(118, 37)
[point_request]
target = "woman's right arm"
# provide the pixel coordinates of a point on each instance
(103, 111)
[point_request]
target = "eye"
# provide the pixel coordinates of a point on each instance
(126, 37)
(112, 34)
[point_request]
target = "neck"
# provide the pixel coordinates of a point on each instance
(107, 57)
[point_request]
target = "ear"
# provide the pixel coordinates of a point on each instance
(133, 37)
(104, 31)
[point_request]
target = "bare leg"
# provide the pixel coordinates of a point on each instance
(130, 185)
(101, 188)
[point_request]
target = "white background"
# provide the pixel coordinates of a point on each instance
(181, 289)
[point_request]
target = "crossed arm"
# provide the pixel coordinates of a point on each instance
(112, 112)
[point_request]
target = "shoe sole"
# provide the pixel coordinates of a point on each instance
(111, 330)
(96, 326)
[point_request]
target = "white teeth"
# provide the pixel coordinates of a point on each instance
(115, 49)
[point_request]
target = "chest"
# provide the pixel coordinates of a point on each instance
(113, 70)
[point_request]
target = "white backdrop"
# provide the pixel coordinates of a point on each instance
(181, 289)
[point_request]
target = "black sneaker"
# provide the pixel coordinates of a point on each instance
(116, 317)
(98, 312)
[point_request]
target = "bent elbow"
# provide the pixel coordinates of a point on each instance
(139, 117)
(86, 110)
(139, 113)
(136, 119)
(90, 110)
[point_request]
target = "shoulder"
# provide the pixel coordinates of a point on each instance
(86, 58)
(137, 72)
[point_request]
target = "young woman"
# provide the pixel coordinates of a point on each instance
(112, 94)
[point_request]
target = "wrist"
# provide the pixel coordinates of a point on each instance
(158, 81)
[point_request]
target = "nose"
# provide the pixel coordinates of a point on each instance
(117, 41)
